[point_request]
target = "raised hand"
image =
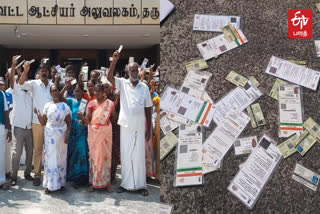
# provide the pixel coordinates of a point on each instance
(115, 56)
(14, 60)
(26, 66)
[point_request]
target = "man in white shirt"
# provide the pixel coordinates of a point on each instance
(40, 90)
(21, 124)
(135, 108)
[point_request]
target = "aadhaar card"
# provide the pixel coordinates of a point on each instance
(222, 138)
(313, 128)
(245, 145)
(214, 23)
(288, 147)
(197, 65)
(83, 105)
(274, 93)
(84, 71)
(290, 110)
(187, 106)
(305, 145)
(239, 99)
(293, 73)
(178, 119)
(256, 115)
(237, 79)
(306, 177)
(254, 175)
(195, 83)
(189, 156)
(167, 144)
(219, 45)
(167, 125)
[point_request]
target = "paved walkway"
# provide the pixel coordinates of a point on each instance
(27, 199)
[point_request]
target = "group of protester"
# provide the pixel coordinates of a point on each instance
(77, 134)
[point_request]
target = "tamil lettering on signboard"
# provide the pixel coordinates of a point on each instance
(79, 12)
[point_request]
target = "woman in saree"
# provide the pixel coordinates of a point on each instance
(99, 139)
(57, 121)
(78, 163)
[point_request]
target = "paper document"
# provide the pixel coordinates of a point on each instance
(219, 45)
(290, 110)
(189, 156)
(288, 147)
(167, 144)
(251, 179)
(237, 79)
(306, 143)
(222, 138)
(306, 177)
(317, 44)
(166, 7)
(256, 115)
(214, 23)
(167, 125)
(245, 145)
(239, 99)
(195, 83)
(197, 65)
(293, 73)
(313, 128)
(187, 106)
(274, 93)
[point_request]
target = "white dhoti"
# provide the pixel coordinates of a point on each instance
(133, 162)
(3, 142)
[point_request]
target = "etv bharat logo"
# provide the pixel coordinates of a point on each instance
(300, 24)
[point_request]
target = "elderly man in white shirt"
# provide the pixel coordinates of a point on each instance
(40, 90)
(21, 125)
(135, 108)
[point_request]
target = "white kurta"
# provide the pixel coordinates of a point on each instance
(133, 101)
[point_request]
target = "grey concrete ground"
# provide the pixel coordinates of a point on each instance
(265, 26)
(27, 199)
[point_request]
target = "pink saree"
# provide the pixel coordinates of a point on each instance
(100, 143)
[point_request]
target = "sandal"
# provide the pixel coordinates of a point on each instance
(5, 186)
(143, 192)
(121, 190)
(46, 191)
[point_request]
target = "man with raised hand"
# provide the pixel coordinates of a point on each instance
(40, 89)
(21, 125)
(135, 108)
